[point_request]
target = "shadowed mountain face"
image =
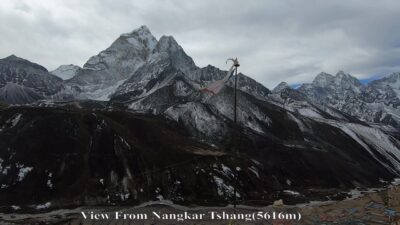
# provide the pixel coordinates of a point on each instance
(155, 136)
(71, 156)
(24, 82)
(16, 94)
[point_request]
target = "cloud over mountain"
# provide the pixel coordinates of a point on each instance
(275, 40)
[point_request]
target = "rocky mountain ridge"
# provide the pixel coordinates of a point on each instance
(22, 81)
(376, 102)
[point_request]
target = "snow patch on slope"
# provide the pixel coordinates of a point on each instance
(99, 94)
(197, 116)
(369, 136)
(300, 124)
(14, 121)
(224, 189)
(308, 112)
(23, 171)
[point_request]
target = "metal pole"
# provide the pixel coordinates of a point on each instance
(235, 100)
(235, 132)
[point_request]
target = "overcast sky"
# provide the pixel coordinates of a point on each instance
(275, 41)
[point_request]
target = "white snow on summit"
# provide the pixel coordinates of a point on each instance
(145, 36)
(66, 72)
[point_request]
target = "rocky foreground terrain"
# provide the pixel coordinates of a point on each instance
(370, 207)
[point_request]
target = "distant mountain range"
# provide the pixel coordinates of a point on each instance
(131, 125)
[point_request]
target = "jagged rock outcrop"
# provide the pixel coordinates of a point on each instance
(376, 102)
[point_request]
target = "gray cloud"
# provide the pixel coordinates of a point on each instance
(275, 41)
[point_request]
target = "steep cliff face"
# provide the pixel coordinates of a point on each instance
(103, 73)
(125, 55)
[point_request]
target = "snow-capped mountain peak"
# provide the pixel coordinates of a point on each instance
(341, 73)
(17, 62)
(377, 102)
(66, 72)
(167, 47)
(168, 44)
(141, 36)
(323, 79)
(393, 80)
(104, 72)
(346, 79)
(281, 86)
(142, 31)
(340, 80)
(13, 57)
(130, 47)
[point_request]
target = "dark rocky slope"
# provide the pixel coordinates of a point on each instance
(70, 156)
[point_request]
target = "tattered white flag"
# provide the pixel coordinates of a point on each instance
(216, 86)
